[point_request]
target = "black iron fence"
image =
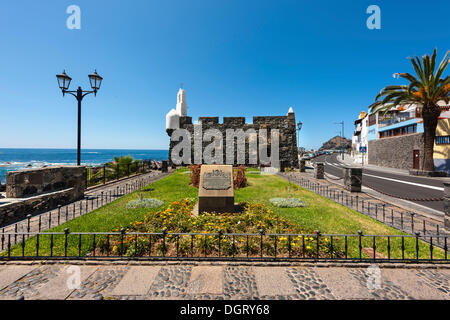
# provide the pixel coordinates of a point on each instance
(224, 246)
(97, 175)
(70, 211)
(402, 220)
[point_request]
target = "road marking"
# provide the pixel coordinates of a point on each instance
(331, 164)
(406, 182)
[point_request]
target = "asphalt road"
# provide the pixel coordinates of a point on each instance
(395, 185)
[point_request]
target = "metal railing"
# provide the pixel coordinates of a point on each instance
(64, 213)
(394, 120)
(98, 175)
(223, 246)
(405, 221)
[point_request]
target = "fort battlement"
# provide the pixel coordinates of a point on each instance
(285, 125)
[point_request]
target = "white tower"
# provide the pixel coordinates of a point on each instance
(173, 116)
(181, 103)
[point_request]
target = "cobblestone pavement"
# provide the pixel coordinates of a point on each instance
(94, 199)
(211, 281)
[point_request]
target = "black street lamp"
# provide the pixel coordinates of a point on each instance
(79, 94)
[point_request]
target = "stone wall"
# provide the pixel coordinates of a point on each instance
(18, 209)
(396, 152)
(30, 182)
(285, 124)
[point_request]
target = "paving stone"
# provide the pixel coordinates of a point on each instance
(137, 281)
(28, 285)
(438, 281)
(10, 274)
(385, 289)
(171, 283)
(342, 284)
(92, 287)
(273, 281)
(239, 283)
(57, 288)
(206, 280)
(308, 284)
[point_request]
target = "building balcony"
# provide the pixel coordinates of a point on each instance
(391, 121)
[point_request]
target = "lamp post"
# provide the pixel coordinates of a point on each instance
(299, 127)
(342, 136)
(79, 94)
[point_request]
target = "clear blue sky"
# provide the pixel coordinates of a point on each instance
(235, 58)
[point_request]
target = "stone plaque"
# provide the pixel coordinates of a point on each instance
(215, 192)
(216, 180)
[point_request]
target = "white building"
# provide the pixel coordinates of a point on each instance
(359, 138)
(173, 116)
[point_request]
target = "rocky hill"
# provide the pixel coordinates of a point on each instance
(336, 143)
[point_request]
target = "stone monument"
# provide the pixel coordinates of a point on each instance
(215, 191)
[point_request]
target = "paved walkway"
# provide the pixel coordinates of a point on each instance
(94, 199)
(204, 281)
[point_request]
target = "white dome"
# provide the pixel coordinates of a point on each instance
(172, 120)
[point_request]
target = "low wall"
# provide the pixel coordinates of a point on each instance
(396, 152)
(30, 182)
(18, 209)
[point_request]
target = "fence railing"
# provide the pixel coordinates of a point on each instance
(97, 175)
(224, 246)
(70, 211)
(389, 121)
(406, 221)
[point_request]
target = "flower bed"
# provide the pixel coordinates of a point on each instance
(211, 237)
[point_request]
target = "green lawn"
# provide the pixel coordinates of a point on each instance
(319, 214)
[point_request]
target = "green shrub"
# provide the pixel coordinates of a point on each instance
(145, 203)
(287, 202)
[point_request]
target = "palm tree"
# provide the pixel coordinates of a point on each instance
(429, 87)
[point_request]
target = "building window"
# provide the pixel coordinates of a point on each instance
(372, 119)
(443, 140)
(399, 131)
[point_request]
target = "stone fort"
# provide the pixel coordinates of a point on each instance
(286, 125)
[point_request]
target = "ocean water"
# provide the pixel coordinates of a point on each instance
(16, 159)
